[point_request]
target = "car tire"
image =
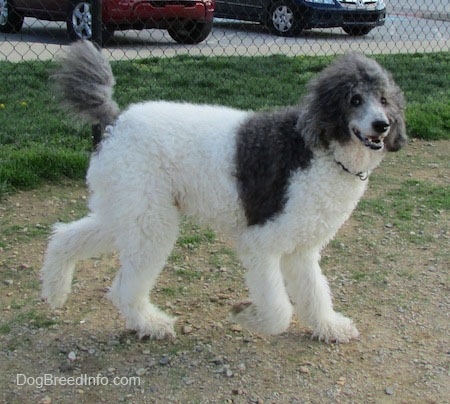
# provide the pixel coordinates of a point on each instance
(284, 19)
(11, 21)
(357, 30)
(79, 22)
(190, 32)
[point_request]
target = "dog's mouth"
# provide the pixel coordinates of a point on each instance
(374, 142)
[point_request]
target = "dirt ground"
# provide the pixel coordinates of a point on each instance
(388, 272)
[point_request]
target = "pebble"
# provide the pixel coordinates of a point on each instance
(113, 343)
(8, 282)
(187, 329)
(66, 367)
(341, 381)
(217, 360)
(188, 381)
(304, 370)
(141, 371)
(72, 356)
(389, 391)
(236, 327)
(225, 369)
(164, 360)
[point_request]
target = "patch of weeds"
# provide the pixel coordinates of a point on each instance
(31, 283)
(169, 291)
(192, 236)
(176, 257)
(188, 273)
(359, 275)
(404, 204)
(16, 305)
(5, 329)
(222, 257)
(35, 319)
(24, 233)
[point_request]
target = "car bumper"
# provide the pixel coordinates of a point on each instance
(155, 13)
(324, 19)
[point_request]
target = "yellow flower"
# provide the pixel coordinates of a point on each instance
(2, 106)
(23, 104)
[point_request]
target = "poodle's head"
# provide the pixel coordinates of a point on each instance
(355, 100)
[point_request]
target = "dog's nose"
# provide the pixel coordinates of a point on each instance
(380, 126)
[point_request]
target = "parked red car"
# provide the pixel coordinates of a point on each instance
(187, 21)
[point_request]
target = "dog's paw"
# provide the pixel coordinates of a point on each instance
(253, 319)
(337, 329)
(157, 334)
(152, 325)
(55, 300)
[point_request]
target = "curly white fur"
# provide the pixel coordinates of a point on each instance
(162, 160)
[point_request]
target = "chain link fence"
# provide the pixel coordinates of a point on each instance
(128, 29)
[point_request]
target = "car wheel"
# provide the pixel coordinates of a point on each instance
(283, 19)
(189, 32)
(11, 21)
(79, 22)
(357, 30)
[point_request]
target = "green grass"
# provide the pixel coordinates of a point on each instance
(29, 318)
(38, 142)
(192, 236)
(408, 207)
(413, 198)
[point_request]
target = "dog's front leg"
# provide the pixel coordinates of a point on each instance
(308, 289)
(269, 310)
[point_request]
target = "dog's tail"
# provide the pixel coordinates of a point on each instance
(84, 83)
(69, 243)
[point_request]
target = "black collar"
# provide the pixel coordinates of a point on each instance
(363, 175)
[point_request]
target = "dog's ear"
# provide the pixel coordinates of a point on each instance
(397, 137)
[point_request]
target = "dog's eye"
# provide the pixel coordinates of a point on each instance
(383, 101)
(356, 100)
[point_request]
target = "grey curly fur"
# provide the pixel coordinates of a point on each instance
(270, 146)
(84, 84)
(324, 110)
(268, 149)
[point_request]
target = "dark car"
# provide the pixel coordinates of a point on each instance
(290, 17)
(187, 21)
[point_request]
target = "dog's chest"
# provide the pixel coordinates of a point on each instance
(319, 204)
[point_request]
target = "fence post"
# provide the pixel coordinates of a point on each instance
(97, 26)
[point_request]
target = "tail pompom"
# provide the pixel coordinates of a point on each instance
(84, 84)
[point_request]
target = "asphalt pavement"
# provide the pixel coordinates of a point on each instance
(418, 26)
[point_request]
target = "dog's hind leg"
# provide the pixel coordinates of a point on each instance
(269, 310)
(70, 243)
(144, 250)
(308, 289)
